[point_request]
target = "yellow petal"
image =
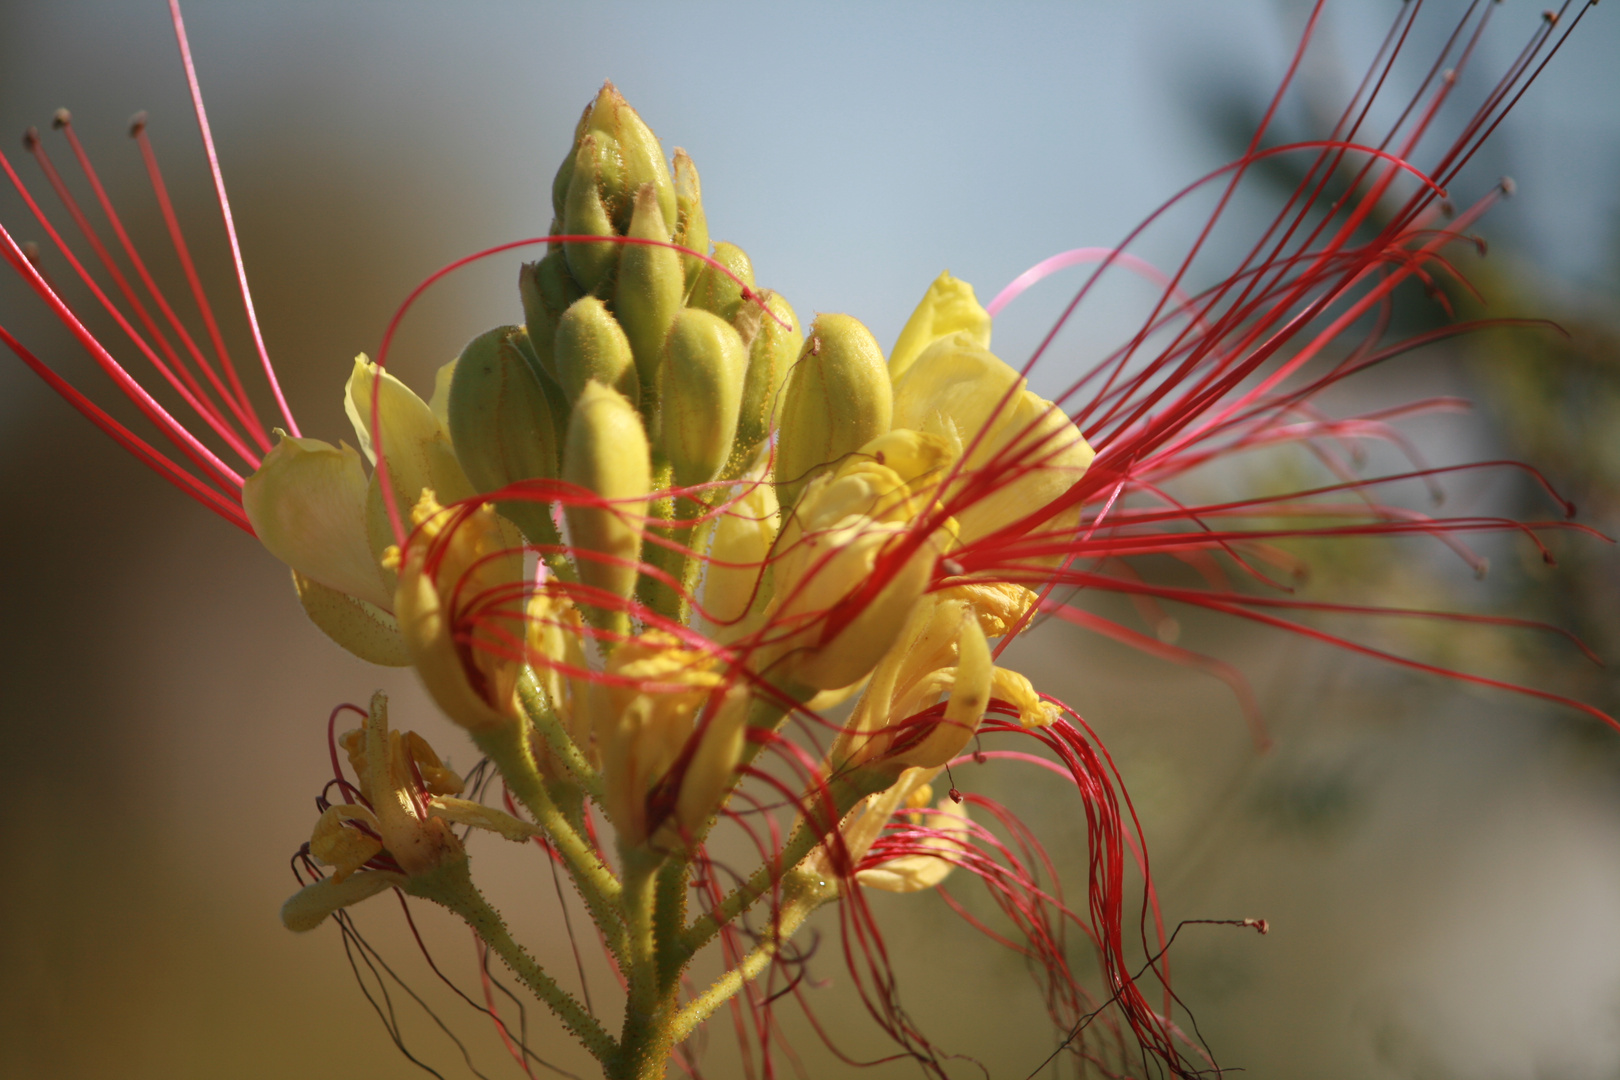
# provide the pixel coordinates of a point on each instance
(416, 446)
(306, 503)
(742, 542)
(363, 628)
(476, 814)
(913, 873)
(439, 403)
(957, 383)
(310, 906)
(949, 306)
(340, 846)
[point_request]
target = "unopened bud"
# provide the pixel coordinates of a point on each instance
(546, 288)
(771, 352)
(700, 383)
(640, 156)
(651, 286)
(502, 427)
(565, 171)
(691, 226)
(590, 345)
(607, 455)
(717, 291)
(838, 398)
(585, 214)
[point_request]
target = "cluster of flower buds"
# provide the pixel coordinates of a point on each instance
(623, 541)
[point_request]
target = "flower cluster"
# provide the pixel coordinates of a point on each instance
(672, 558)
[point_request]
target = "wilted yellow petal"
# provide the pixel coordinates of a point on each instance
(340, 846)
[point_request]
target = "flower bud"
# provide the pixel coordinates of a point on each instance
(771, 351)
(948, 307)
(565, 170)
(591, 345)
(837, 399)
(715, 290)
(651, 286)
(585, 214)
(691, 227)
(546, 288)
(637, 158)
(700, 385)
(501, 425)
(607, 455)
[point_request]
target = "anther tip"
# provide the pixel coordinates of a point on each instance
(1509, 188)
(1261, 925)
(137, 123)
(1551, 17)
(30, 138)
(61, 119)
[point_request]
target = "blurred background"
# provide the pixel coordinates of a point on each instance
(1438, 864)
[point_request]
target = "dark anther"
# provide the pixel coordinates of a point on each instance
(31, 139)
(137, 123)
(956, 796)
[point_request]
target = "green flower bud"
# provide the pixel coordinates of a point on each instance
(700, 384)
(546, 288)
(715, 291)
(772, 349)
(591, 345)
(585, 214)
(502, 427)
(565, 171)
(838, 398)
(607, 454)
(640, 157)
(651, 287)
(691, 227)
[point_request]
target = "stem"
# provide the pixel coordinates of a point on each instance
(804, 895)
(645, 1042)
(806, 836)
(452, 886)
(543, 717)
(508, 748)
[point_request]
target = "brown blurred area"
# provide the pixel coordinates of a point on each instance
(1437, 863)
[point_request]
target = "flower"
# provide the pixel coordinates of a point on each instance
(641, 546)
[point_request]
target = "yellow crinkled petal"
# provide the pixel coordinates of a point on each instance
(310, 906)
(307, 503)
(343, 848)
(999, 605)
(1012, 687)
(914, 873)
(438, 779)
(713, 769)
(476, 814)
(363, 628)
(958, 383)
(948, 307)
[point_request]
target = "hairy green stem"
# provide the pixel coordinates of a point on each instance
(508, 748)
(802, 895)
(543, 716)
(451, 886)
